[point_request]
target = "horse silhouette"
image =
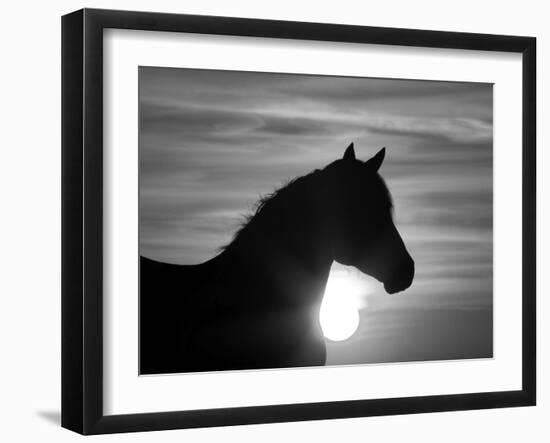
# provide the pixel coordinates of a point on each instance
(256, 304)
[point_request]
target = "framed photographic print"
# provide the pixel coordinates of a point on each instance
(270, 221)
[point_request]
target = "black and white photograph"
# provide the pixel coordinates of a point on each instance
(293, 220)
(325, 216)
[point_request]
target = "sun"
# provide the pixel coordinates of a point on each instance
(339, 314)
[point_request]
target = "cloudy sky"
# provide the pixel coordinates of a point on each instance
(212, 142)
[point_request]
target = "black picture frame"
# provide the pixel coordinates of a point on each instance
(82, 219)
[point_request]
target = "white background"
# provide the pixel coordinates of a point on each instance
(30, 220)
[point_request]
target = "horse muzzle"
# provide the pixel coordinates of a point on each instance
(401, 278)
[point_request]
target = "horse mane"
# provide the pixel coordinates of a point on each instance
(289, 190)
(289, 193)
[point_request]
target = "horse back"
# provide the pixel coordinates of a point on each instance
(166, 302)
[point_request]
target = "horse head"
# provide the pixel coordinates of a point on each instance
(362, 231)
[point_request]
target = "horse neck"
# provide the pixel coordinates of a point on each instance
(288, 232)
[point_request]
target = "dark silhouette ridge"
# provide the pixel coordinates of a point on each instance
(256, 304)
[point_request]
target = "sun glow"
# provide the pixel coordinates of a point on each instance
(339, 314)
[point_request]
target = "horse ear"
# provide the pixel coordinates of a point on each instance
(374, 163)
(350, 153)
